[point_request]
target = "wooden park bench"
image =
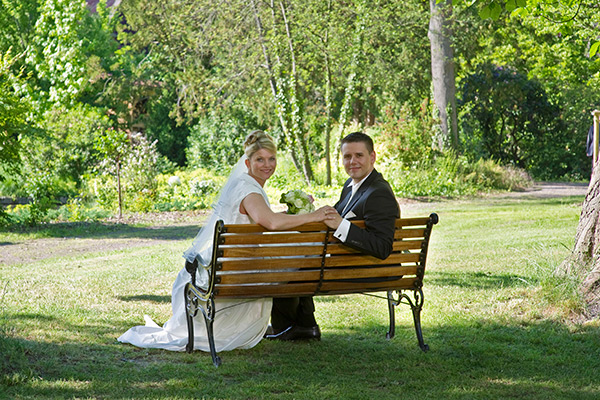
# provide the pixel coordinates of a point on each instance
(251, 262)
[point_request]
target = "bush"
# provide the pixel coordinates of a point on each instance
(187, 190)
(452, 176)
(508, 117)
(405, 138)
(216, 141)
(76, 210)
(131, 162)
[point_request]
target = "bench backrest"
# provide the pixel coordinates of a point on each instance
(252, 262)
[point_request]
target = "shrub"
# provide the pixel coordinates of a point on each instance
(196, 189)
(452, 176)
(216, 141)
(508, 117)
(76, 210)
(131, 162)
(405, 138)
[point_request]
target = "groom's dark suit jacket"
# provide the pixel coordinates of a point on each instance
(375, 203)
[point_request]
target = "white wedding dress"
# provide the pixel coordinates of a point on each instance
(238, 324)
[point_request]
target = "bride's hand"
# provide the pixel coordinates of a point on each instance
(325, 213)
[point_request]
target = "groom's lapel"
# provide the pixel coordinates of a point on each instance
(361, 190)
(354, 199)
(345, 198)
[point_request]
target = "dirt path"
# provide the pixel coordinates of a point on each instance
(167, 227)
(550, 190)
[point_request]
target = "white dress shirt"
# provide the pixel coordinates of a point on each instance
(341, 233)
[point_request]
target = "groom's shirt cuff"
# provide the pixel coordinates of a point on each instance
(341, 233)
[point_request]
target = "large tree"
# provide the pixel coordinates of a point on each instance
(584, 261)
(442, 73)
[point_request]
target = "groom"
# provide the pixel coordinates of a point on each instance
(365, 196)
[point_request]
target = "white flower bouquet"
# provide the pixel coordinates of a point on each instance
(298, 202)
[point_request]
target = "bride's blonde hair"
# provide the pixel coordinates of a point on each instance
(259, 140)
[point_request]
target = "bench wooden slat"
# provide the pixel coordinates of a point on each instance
(271, 251)
(345, 260)
(369, 272)
(253, 238)
(319, 226)
(355, 260)
(409, 233)
(402, 222)
(270, 277)
(314, 275)
(248, 228)
(307, 289)
(305, 249)
(249, 291)
(362, 287)
(275, 263)
(407, 245)
(397, 246)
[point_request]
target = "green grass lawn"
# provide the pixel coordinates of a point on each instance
(497, 322)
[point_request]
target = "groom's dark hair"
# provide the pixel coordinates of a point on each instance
(356, 137)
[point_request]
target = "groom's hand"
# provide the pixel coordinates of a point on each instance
(333, 219)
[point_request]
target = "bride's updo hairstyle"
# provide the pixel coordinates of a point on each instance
(259, 140)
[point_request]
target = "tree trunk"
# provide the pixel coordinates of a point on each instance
(295, 103)
(275, 89)
(584, 261)
(119, 191)
(328, 109)
(350, 88)
(442, 73)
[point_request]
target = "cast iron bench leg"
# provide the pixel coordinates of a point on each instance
(191, 309)
(416, 310)
(209, 319)
(391, 304)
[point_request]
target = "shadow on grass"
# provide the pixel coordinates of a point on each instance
(146, 297)
(477, 280)
(101, 230)
(474, 359)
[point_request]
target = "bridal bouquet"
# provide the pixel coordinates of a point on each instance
(298, 202)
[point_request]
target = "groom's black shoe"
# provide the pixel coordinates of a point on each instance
(296, 333)
(270, 331)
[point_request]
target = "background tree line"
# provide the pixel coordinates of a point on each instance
(136, 91)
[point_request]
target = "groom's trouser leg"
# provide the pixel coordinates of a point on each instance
(292, 311)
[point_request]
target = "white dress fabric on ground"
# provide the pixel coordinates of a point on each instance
(239, 323)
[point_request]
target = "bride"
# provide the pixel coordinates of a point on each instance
(238, 323)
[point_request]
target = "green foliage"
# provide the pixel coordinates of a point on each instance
(41, 188)
(77, 210)
(452, 176)
(131, 163)
(405, 138)
(550, 53)
(505, 116)
(56, 54)
(69, 141)
(187, 190)
(216, 140)
(198, 81)
(13, 113)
